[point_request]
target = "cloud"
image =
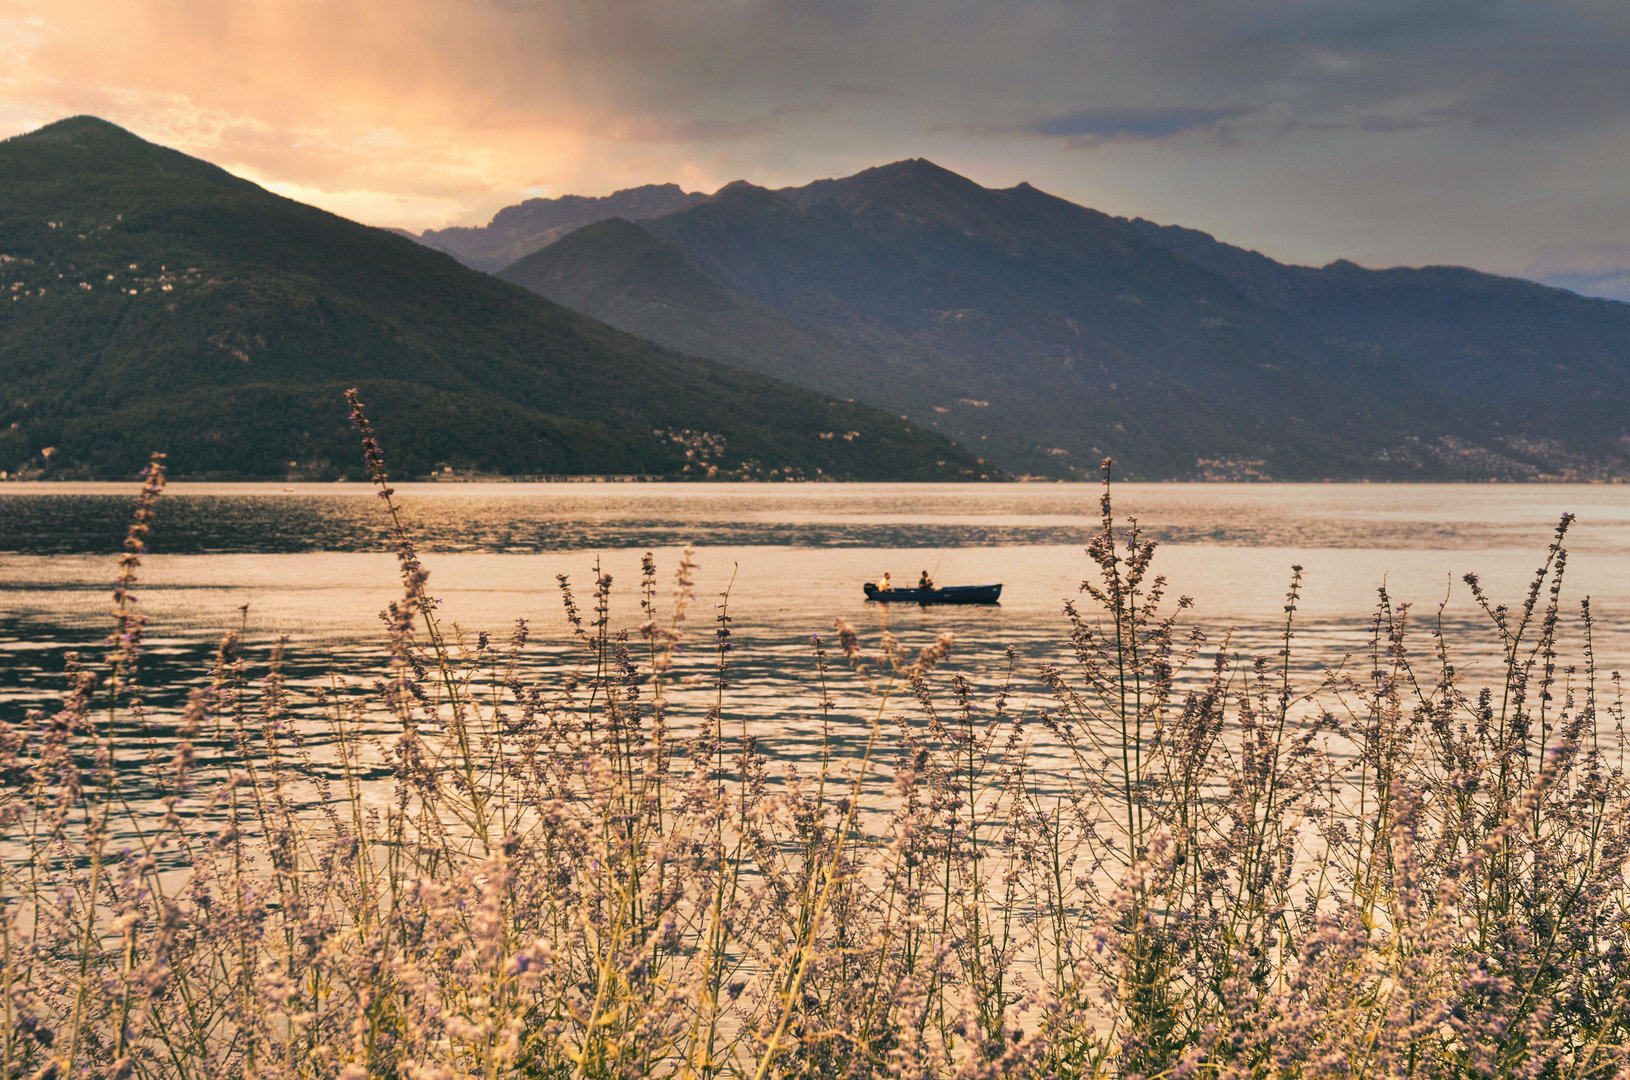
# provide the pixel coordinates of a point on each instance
(1392, 131)
(1608, 285)
(867, 90)
(1379, 124)
(1403, 26)
(1086, 128)
(1589, 269)
(415, 213)
(1519, 61)
(709, 129)
(1094, 127)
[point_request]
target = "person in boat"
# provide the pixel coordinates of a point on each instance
(885, 587)
(925, 582)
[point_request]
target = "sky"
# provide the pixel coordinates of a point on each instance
(1487, 133)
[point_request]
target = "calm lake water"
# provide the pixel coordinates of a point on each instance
(312, 562)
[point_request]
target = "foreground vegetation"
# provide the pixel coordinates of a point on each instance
(1185, 865)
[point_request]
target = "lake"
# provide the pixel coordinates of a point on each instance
(313, 562)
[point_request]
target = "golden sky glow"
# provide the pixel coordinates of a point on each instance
(1486, 132)
(383, 111)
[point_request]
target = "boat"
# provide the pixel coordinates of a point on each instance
(950, 594)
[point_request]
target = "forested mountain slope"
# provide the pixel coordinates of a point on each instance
(1048, 335)
(155, 302)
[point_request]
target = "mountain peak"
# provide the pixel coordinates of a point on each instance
(71, 127)
(227, 320)
(86, 133)
(83, 145)
(909, 167)
(742, 187)
(648, 200)
(743, 193)
(918, 176)
(516, 231)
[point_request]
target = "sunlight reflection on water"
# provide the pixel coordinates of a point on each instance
(314, 565)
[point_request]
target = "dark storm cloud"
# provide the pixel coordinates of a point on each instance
(1558, 64)
(1114, 125)
(1515, 60)
(1405, 26)
(1095, 127)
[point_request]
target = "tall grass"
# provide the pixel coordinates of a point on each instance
(1185, 864)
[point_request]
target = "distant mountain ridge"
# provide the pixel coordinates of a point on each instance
(624, 275)
(517, 231)
(156, 302)
(619, 272)
(1506, 341)
(1048, 334)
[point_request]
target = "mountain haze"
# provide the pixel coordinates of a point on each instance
(1047, 334)
(521, 229)
(156, 302)
(623, 274)
(1505, 341)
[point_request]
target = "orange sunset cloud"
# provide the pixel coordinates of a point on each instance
(397, 113)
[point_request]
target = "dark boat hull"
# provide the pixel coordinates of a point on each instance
(951, 594)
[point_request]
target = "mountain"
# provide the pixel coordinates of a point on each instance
(1049, 335)
(157, 302)
(1558, 358)
(620, 273)
(521, 229)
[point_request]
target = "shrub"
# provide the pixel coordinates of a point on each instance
(1185, 864)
